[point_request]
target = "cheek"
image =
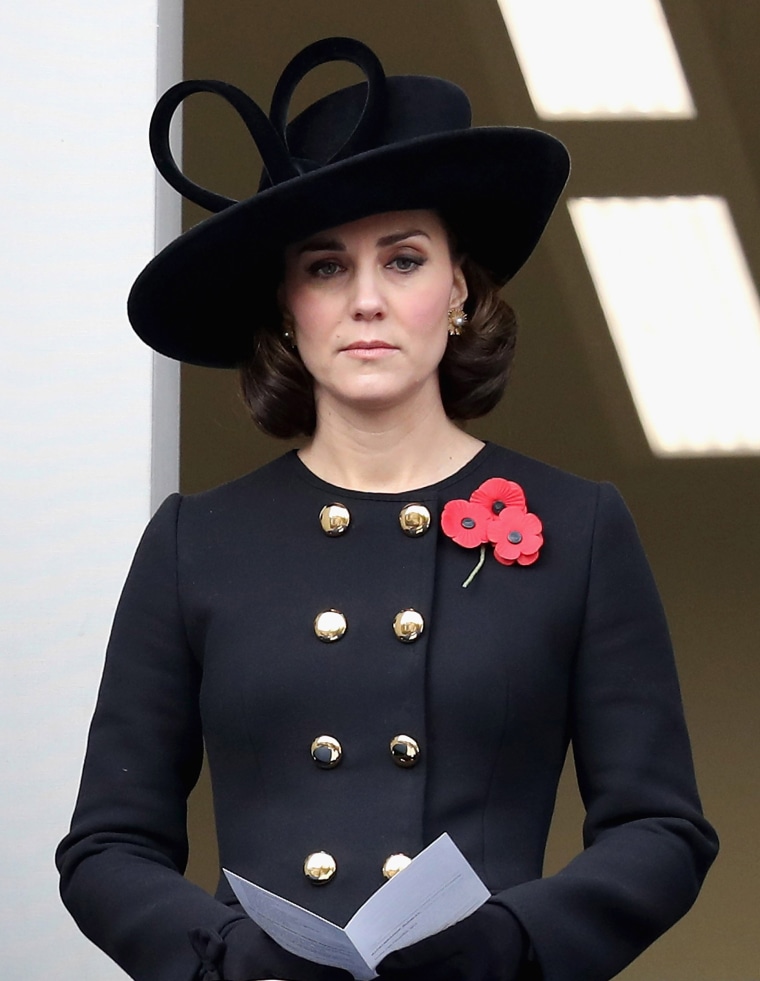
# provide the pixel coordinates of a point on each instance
(427, 333)
(314, 312)
(428, 314)
(295, 299)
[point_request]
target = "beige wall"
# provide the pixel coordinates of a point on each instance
(568, 403)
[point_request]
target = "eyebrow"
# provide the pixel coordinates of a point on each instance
(335, 245)
(400, 236)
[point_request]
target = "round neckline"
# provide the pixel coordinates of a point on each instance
(428, 490)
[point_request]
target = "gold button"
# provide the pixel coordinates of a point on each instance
(326, 752)
(330, 625)
(335, 519)
(414, 519)
(408, 625)
(319, 867)
(394, 864)
(405, 750)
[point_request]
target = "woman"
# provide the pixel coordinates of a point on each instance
(396, 631)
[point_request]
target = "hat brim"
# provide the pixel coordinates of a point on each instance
(496, 187)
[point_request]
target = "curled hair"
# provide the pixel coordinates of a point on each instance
(473, 373)
(476, 364)
(276, 386)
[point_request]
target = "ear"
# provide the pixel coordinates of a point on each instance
(458, 287)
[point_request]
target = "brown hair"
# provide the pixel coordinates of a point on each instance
(473, 372)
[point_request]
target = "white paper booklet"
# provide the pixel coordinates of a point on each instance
(437, 889)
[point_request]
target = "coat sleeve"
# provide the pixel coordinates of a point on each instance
(647, 846)
(122, 862)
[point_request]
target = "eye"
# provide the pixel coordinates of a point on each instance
(406, 263)
(325, 268)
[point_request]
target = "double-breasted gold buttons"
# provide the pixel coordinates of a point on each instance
(395, 864)
(408, 625)
(330, 625)
(334, 519)
(326, 752)
(405, 750)
(319, 867)
(414, 519)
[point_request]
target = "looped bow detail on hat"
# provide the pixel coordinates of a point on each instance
(270, 145)
(270, 132)
(367, 130)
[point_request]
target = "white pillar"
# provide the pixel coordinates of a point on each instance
(89, 421)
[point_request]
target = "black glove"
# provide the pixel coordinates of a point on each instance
(243, 952)
(489, 945)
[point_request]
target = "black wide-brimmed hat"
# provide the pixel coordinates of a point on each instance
(389, 144)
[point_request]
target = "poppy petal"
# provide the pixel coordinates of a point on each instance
(465, 523)
(527, 559)
(499, 491)
(504, 561)
(532, 524)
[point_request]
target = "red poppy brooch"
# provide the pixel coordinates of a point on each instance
(496, 512)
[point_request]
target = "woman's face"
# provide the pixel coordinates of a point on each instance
(370, 302)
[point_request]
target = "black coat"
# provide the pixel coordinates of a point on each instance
(213, 640)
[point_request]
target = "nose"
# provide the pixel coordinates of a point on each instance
(368, 300)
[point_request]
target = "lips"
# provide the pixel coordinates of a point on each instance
(368, 346)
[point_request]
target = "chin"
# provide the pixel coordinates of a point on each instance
(382, 400)
(381, 394)
(376, 402)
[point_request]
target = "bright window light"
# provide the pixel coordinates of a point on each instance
(592, 59)
(684, 315)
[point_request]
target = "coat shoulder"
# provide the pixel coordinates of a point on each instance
(260, 484)
(541, 482)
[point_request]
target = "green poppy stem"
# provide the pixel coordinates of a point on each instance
(477, 568)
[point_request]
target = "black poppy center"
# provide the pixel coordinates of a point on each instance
(515, 537)
(498, 506)
(468, 522)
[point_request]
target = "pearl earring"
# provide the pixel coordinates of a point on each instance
(457, 320)
(288, 325)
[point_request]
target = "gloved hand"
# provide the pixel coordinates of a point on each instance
(489, 945)
(243, 952)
